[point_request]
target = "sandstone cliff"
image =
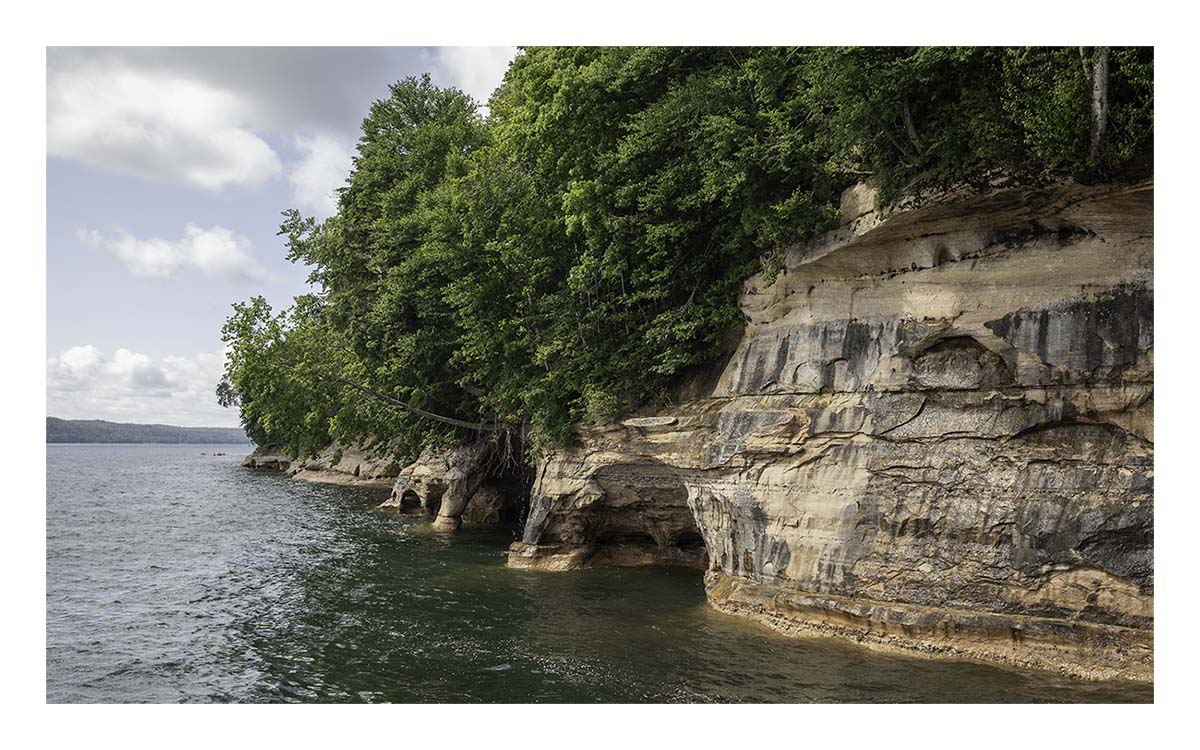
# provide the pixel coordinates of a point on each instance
(934, 436)
(464, 483)
(336, 464)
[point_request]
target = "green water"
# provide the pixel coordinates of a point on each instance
(177, 576)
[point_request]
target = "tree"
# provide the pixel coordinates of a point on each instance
(1095, 70)
(574, 255)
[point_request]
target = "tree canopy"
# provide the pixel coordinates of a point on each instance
(568, 257)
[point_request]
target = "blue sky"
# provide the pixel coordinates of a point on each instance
(167, 170)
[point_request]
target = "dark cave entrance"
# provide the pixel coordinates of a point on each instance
(644, 519)
(410, 501)
(692, 541)
(511, 477)
(433, 503)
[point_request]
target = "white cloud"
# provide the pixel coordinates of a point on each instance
(280, 90)
(157, 125)
(138, 370)
(74, 367)
(83, 383)
(475, 70)
(216, 251)
(324, 164)
(202, 116)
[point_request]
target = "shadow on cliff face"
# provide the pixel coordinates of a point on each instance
(628, 515)
(647, 505)
(410, 502)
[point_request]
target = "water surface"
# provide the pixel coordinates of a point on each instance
(177, 575)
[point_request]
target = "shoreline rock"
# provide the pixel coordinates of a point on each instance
(935, 436)
(336, 464)
(1079, 650)
(452, 484)
(267, 458)
(441, 483)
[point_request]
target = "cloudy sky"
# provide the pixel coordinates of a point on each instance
(166, 173)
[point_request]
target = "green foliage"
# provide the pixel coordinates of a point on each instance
(1131, 97)
(607, 228)
(928, 116)
(272, 372)
(566, 259)
(382, 269)
(1050, 97)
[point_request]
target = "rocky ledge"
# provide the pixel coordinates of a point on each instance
(336, 464)
(465, 483)
(935, 436)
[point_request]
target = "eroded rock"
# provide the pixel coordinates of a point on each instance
(441, 482)
(336, 464)
(935, 435)
(268, 458)
(339, 464)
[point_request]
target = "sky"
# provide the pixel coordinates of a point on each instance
(166, 172)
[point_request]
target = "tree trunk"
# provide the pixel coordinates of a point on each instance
(1099, 76)
(477, 426)
(911, 127)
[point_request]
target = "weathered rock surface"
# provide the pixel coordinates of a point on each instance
(336, 464)
(456, 485)
(268, 458)
(934, 436)
(441, 482)
(339, 464)
(486, 506)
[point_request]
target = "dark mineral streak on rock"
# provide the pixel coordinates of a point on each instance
(935, 436)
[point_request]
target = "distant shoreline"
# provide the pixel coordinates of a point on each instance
(99, 431)
(144, 442)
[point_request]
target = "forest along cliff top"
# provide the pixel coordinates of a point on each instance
(934, 437)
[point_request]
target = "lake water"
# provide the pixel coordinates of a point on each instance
(177, 575)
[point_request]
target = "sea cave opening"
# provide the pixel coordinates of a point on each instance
(433, 503)
(410, 501)
(644, 518)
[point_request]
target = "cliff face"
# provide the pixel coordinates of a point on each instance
(468, 483)
(336, 464)
(935, 436)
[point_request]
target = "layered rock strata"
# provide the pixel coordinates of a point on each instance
(451, 484)
(935, 436)
(455, 485)
(336, 464)
(268, 458)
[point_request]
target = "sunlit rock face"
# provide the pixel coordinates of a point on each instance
(935, 435)
(441, 482)
(340, 464)
(467, 483)
(335, 464)
(268, 458)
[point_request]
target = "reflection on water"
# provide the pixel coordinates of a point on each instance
(179, 576)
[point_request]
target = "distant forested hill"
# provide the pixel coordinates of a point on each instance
(99, 431)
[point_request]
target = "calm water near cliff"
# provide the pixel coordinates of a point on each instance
(173, 575)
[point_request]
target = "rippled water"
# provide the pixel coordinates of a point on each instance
(178, 576)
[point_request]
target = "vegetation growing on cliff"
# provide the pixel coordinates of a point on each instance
(569, 256)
